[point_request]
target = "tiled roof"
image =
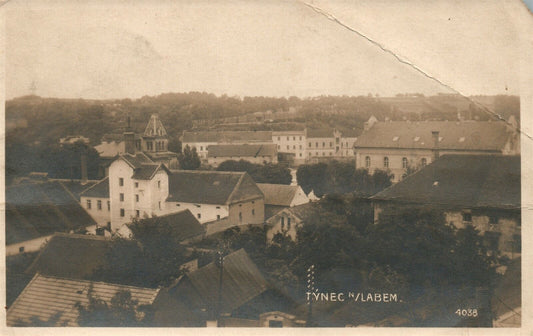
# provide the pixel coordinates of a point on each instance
(76, 187)
(241, 281)
(244, 150)
(136, 160)
(184, 223)
(155, 127)
(71, 256)
(227, 136)
(100, 190)
(462, 180)
(210, 187)
(39, 209)
(469, 135)
(47, 297)
(146, 171)
(278, 194)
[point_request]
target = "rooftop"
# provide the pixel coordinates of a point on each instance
(462, 180)
(467, 135)
(244, 150)
(278, 194)
(99, 190)
(211, 187)
(50, 298)
(36, 210)
(227, 136)
(185, 225)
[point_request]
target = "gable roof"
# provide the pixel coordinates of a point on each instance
(99, 190)
(211, 187)
(76, 187)
(147, 171)
(155, 127)
(241, 281)
(48, 297)
(301, 212)
(71, 256)
(468, 135)
(136, 160)
(244, 150)
(227, 136)
(36, 210)
(462, 180)
(184, 223)
(278, 194)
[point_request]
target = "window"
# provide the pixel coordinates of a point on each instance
(136, 184)
(201, 148)
(310, 144)
(323, 154)
(300, 137)
(218, 207)
(177, 204)
(330, 153)
(294, 147)
(108, 205)
(316, 144)
(21, 249)
(323, 144)
(386, 162)
(253, 212)
(294, 138)
(253, 202)
(137, 213)
(331, 144)
(121, 181)
(467, 217)
(121, 197)
(199, 215)
(282, 223)
(240, 216)
(287, 138)
(424, 162)
(121, 212)
(300, 146)
(288, 223)
(367, 162)
(218, 217)
(279, 138)
(99, 205)
(159, 205)
(240, 205)
(300, 154)
(404, 163)
(279, 147)
(158, 184)
(288, 146)
(88, 204)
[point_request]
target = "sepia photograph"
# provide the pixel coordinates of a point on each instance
(281, 164)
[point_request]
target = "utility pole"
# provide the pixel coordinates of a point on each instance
(220, 263)
(310, 291)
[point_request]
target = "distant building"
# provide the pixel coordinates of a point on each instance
(288, 220)
(72, 139)
(281, 196)
(396, 146)
(54, 300)
(153, 143)
(35, 211)
(478, 190)
(292, 143)
(256, 153)
(203, 139)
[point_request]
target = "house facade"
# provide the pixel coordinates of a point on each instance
(482, 191)
(397, 146)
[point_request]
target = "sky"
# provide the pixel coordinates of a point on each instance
(123, 49)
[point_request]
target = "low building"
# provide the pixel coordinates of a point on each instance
(288, 220)
(53, 301)
(255, 153)
(202, 140)
(397, 146)
(35, 211)
(230, 293)
(478, 190)
(281, 196)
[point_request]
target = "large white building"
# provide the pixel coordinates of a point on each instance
(396, 146)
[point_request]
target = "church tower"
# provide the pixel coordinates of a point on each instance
(155, 137)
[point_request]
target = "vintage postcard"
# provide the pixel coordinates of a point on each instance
(209, 166)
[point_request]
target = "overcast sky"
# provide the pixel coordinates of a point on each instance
(281, 48)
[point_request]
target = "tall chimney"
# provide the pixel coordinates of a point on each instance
(84, 177)
(435, 145)
(129, 139)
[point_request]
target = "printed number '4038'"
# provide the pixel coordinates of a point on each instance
(466, 312)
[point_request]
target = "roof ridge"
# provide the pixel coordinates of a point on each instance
(94, 281)
(94, 185)
(237, 186)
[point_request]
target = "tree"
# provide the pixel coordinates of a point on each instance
(189, 159)
(122, 311)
